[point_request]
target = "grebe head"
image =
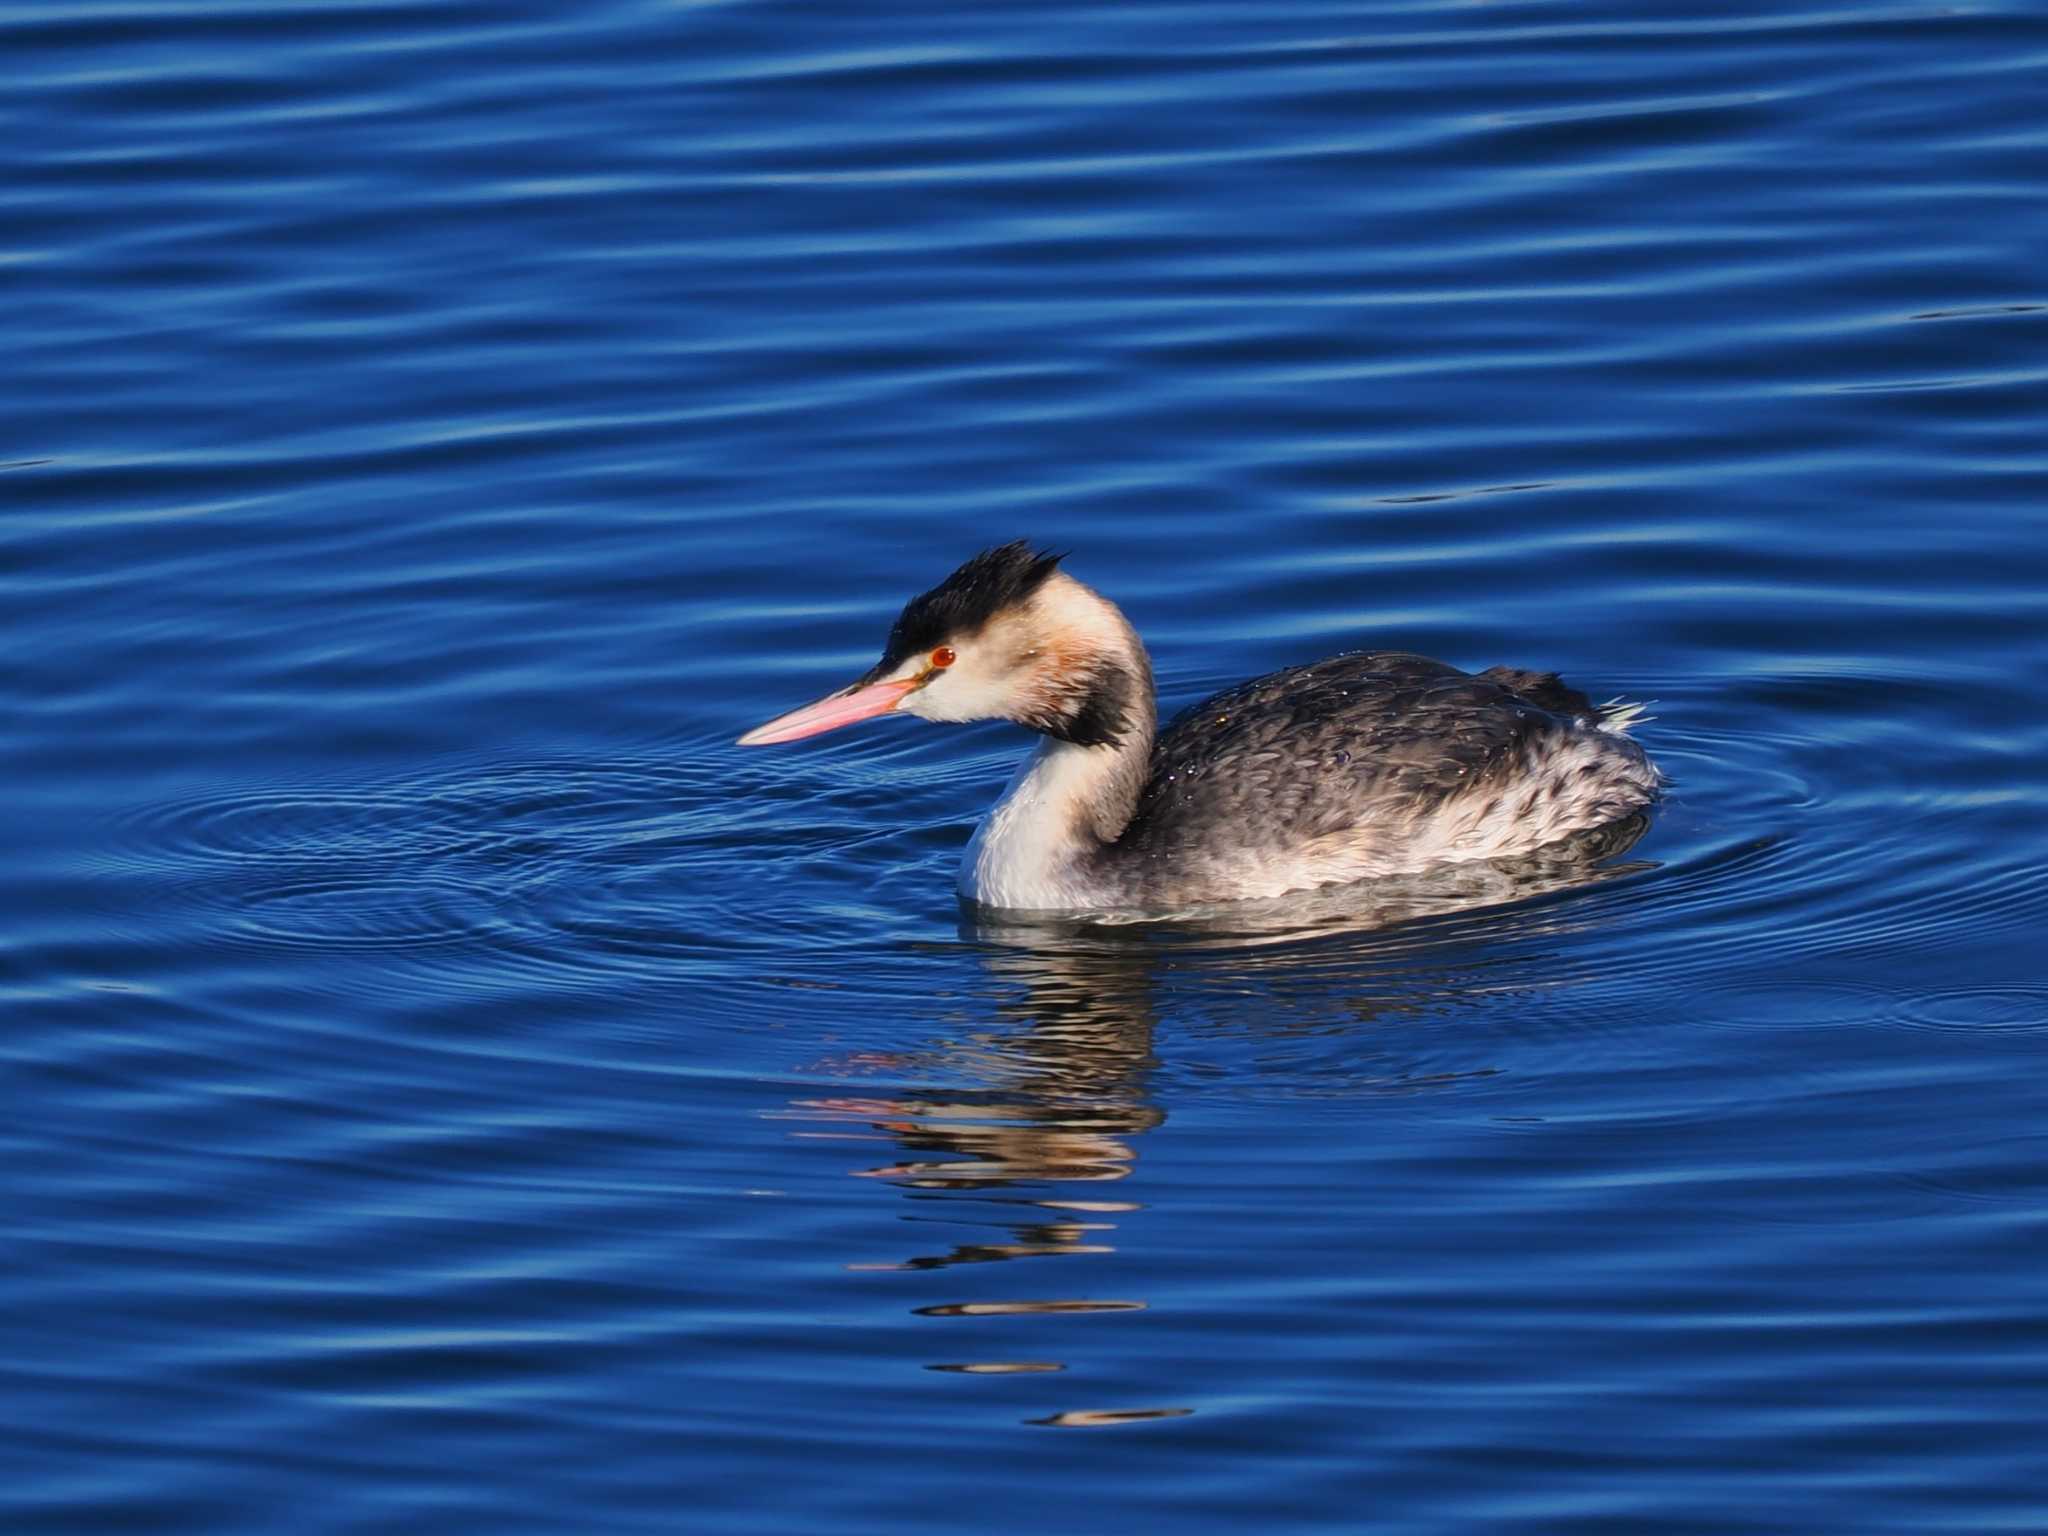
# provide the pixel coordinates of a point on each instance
(1008, 636)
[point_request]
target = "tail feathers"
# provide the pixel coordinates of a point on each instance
(1546, 690)
(1622, 716)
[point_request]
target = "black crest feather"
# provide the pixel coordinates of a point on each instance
(993, 580)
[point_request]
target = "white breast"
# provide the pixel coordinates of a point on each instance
(1028, 851)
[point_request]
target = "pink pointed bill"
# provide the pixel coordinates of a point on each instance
(831, 712)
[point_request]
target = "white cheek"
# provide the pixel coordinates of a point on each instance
(962, 692)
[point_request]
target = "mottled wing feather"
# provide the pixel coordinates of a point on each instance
(1545, 689)
(1312, 751)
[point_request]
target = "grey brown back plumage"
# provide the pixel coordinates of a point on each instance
(1356, 755)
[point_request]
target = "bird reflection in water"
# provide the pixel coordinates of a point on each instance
(1065, 1065)
(1055, 1086)
(1035, 1149)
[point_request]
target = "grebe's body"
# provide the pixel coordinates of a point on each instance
(1357, 766)
(1372, 764)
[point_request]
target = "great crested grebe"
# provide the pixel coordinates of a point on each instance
(1371, 764)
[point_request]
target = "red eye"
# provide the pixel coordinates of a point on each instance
(943, 656)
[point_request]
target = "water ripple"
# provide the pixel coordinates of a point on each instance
(1998, 1010)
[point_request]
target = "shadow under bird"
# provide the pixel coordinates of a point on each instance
(1371, 764)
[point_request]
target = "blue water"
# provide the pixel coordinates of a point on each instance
(448, 1088)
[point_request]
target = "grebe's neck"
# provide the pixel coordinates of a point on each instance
(1041, 845)
(1039, 848)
